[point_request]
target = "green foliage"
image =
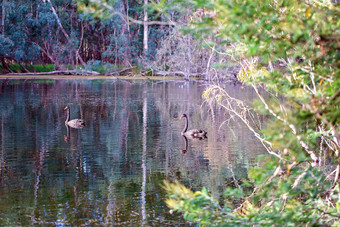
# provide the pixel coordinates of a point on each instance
(291, 50)
(283, 210)
(101, 67)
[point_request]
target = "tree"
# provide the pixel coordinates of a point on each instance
(64, 32)
(145, 34)
(3, 15)
(5, 43)
(143, 27)
(289, 49)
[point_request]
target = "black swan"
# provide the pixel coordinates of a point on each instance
(192, 133)
(74, 123)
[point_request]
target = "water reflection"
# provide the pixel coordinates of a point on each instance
(110, 171)
(185, 139)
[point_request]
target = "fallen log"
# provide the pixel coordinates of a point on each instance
(178, 73)
(117, 73)
(59, 72)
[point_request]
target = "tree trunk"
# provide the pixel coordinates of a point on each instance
(126, 34)
(145, 38)
(189, 57)
(3, 60)
(5, 65)
(4, 2)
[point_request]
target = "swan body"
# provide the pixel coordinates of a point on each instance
(192, 133)
(74, 123)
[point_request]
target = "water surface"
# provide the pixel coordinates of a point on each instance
(110, 172)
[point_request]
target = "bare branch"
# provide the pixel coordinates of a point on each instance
(291, 126)
(65, 33)
(128, 18)
(238, 108)
(298, 179)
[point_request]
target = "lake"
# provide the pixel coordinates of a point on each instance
(111, 171)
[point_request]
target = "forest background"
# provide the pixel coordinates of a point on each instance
(102, 37)
(289, 49)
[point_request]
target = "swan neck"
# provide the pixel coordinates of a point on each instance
(186, 125)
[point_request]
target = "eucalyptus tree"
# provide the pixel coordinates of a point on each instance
(145, 34)
(63, 31)
(31, 32)
(3, 13)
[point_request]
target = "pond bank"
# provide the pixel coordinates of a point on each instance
(90, 77)
(231, 79)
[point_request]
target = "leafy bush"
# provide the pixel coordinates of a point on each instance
(291, 50)
(101, 67)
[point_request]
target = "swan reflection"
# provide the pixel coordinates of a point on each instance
(185, 145)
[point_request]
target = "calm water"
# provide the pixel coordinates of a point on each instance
(110, 172)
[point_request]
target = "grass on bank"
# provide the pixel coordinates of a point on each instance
(91, 66)
(16, 68)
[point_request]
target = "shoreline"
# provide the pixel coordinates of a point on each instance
(95, 77)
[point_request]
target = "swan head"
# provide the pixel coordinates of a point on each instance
(183, 115)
